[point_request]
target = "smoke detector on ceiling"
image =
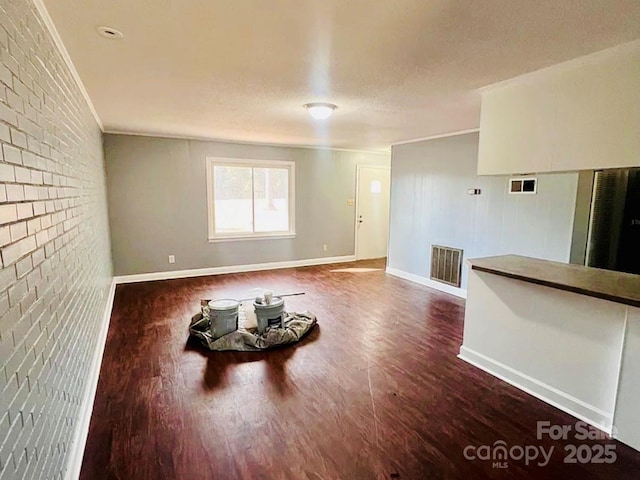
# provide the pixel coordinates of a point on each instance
(109, 32)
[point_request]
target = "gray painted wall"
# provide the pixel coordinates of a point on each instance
(430, 205)
(157, 203)
(56, 267)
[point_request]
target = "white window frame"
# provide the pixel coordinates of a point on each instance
(236, 162)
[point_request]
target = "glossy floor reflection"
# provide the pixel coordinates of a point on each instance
(374, 391)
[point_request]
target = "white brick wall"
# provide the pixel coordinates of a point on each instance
(55, 264)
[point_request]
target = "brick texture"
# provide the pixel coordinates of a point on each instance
(55, 263)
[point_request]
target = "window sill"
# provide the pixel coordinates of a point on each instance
(243, 238)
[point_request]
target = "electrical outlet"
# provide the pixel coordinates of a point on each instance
(172, 259)
(324, 247)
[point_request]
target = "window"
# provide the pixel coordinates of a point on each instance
(250, 199)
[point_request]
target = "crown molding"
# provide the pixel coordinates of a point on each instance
(46, 18)
(435, 137)
(241, 142)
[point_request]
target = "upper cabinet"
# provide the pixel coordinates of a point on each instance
(579, 115)
(514, 131)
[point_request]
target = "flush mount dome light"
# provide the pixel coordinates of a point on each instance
(320, 110)
(108, 32)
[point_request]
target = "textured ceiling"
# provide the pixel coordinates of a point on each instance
(398, 69)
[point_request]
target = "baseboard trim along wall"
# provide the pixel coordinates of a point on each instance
(255, 267)
(79, 440)
(548, 394)
(427, 282)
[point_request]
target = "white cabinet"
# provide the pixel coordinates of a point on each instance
(598, 115)
(514, 131)
(579, 115)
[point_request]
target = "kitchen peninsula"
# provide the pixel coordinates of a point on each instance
(567, 334)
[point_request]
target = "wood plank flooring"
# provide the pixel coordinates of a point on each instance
(375, 391)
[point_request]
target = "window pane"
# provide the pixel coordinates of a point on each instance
(271, 197)
(232, 199)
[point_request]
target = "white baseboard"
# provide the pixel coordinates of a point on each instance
(255, 267)
(548, 394)
(427, 282)
(79, 441)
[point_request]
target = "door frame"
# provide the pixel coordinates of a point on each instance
(357, 203)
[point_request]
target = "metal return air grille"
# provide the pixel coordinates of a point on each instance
(446, 265)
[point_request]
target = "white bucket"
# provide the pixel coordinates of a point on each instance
(223, 314)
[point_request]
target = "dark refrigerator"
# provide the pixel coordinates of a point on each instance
(613, 240)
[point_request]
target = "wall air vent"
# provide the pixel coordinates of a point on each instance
(446, 265)
(525, 185)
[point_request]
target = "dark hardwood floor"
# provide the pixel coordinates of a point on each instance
(374, 391)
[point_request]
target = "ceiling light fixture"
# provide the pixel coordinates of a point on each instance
(108, 32)
(320, 110)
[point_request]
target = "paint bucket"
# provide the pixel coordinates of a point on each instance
(269, 315)
(223, 315)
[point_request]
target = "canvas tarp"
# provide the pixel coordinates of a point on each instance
(297, 325)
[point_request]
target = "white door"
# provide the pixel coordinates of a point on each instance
(372, 211)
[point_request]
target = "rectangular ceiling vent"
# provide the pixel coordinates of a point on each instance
(446, 265)
(527, 185)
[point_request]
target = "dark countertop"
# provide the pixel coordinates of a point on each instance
(606, 284)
